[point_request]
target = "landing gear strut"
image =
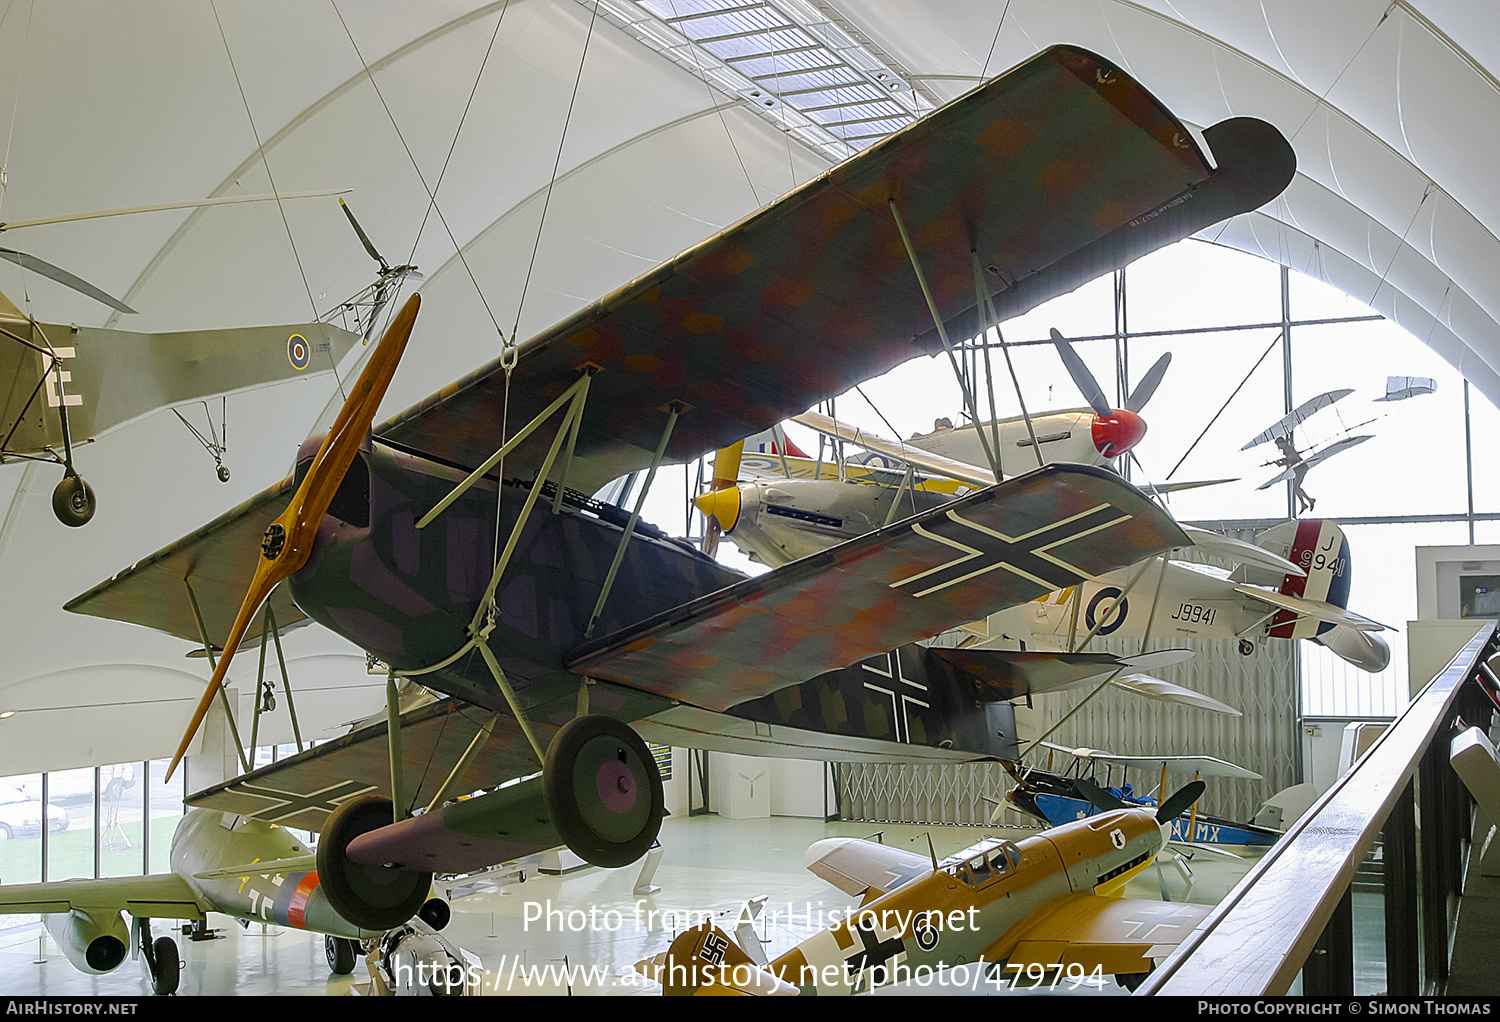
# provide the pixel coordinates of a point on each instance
(160, 962)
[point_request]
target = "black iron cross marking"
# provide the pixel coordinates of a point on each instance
(899, 700)
(290, 803)
(1027, 556)
(905, 873)
(873, 954)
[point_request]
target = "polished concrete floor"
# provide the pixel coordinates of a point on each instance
(580, 933)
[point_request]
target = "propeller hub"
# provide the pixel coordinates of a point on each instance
(722, 504)
(1118, 433)
(273, 541)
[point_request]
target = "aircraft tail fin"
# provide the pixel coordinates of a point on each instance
(773, 441)
(1319, 547)
(706, 961)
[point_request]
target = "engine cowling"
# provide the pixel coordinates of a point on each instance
(96, 941)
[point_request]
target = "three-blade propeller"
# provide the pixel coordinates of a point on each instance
(288, 541)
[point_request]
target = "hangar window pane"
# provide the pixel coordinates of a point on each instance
(1196, 284)
(71, 852)
(122, 811)
(21, 813)
(164, 801)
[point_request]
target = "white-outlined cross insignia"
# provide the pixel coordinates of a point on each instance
(1028, 556)
(899, 699)
(289, 803)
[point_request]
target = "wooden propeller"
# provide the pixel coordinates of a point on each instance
(288, 541)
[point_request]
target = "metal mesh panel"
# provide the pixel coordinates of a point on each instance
(1262, 686)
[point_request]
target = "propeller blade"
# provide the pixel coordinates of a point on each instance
(363, 237)
(726, 476)
(1098, 797)
(62, 276)
(1181, 799)
(1082, 378)
(1143, 390)
(288, 541)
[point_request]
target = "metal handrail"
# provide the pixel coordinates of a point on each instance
(1257, 940)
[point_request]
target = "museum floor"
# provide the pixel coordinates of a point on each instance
(589, 922)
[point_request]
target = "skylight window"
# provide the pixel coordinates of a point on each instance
(787, 60)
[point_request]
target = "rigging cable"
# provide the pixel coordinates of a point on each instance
(431, 195)
(265, 162)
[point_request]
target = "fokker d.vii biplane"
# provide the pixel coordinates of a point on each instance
(560, 633)
(1048, 907)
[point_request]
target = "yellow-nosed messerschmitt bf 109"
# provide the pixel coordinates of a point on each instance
(1048, 908)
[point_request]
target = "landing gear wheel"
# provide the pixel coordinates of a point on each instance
(1246, 647)
(1131, 980)
(603, 791)
(341, 952)
(167, 967)
(73, 501)
(370, 897)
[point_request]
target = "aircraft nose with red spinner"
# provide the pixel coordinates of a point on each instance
(1118, 432)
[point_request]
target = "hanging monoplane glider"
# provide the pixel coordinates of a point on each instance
(553, 632)
(1400, 388)
(66, 385)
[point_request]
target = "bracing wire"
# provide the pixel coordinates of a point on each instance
(536, 243)
(431, 195)
(265, 162)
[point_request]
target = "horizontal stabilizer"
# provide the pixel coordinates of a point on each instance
(1319, 610)
(1238, 550)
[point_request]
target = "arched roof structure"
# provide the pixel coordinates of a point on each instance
(568, 154)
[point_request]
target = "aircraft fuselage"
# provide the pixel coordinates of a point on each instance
(973, 910)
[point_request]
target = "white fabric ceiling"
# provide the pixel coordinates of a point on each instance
(1393, 110)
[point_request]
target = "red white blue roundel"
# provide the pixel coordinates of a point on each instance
(298, 352)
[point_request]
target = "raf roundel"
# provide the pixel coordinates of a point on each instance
(298, 352)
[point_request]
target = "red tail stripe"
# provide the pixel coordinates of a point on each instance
(1303, 545)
